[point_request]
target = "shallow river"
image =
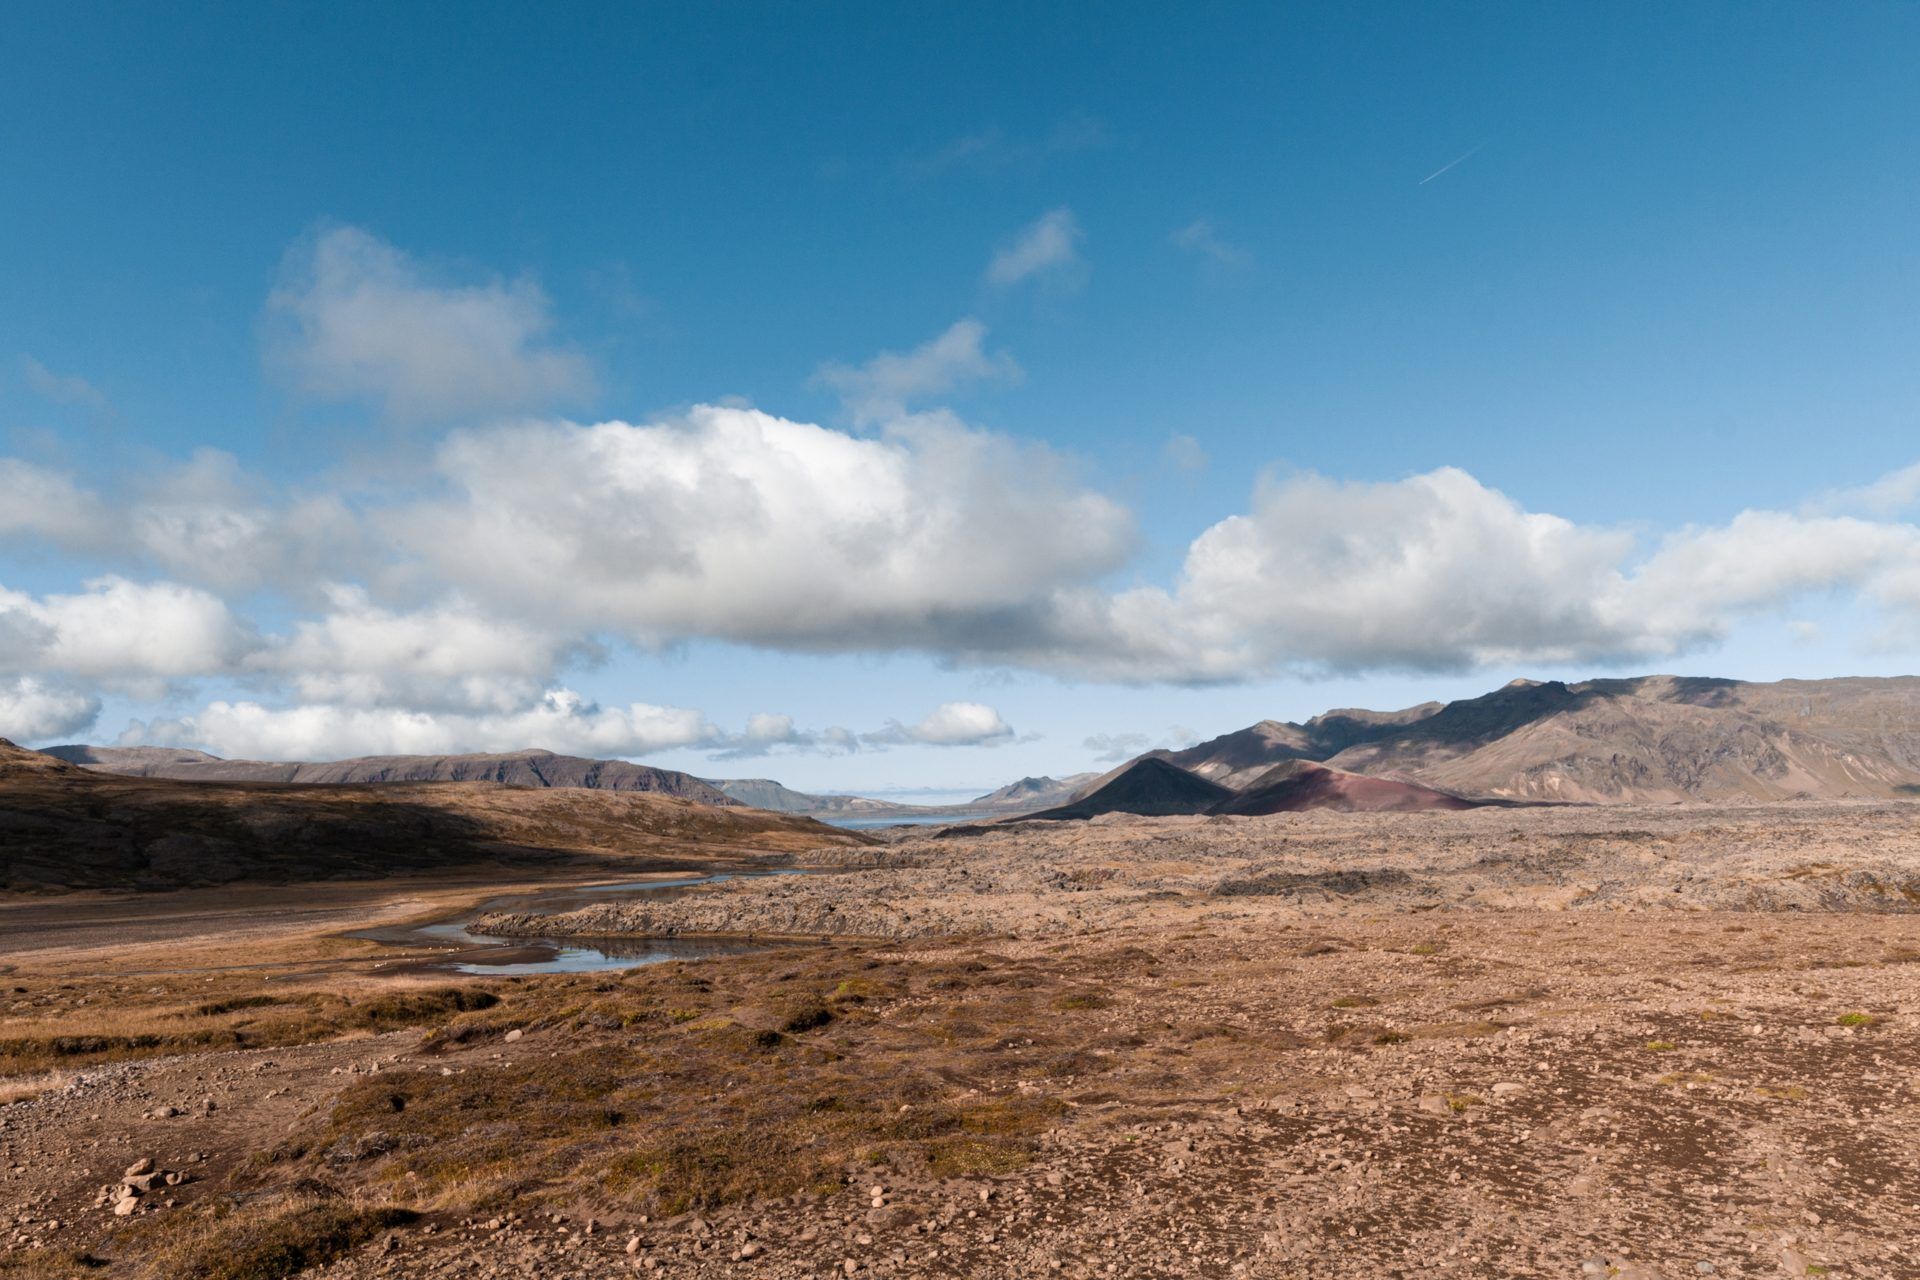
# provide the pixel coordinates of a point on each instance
(469, 952)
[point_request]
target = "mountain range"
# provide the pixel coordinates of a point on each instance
(1027, 793)
(530, 768)
(1155, 787)
(67, 827)
(1652, 739)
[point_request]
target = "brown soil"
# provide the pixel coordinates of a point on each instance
(1463, 1073)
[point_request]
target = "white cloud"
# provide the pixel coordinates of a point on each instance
(884, 386)
(951, 724)
(1201, 240)
(1892, 494)
(733, 524)
(1046, 248)
(359, 319)
(445, 656)
(203, 521)
(561, 721)
(62, 388)
(993, 148)
(36, 502)
(208, 522)
(558, 719)
(1701, 581)
(1184, 453)
(118, 631)
(768, 732)
(32, 710)
(1111, 748)
(1439, 572)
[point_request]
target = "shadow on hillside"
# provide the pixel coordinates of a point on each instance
(145, 834)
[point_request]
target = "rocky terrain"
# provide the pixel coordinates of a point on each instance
(1048, 879)
(1654, 739)
(530, 768)
(1300, 785)
(1198, 1090)
(1561, 1041)
(65, 827)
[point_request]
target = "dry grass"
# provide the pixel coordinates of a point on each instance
(275, 1240)
(74, 1024)
(20, 1090)
(697, 1095)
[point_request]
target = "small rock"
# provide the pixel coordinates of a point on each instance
(514, 1034)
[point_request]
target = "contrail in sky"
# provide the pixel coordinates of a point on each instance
(1448, 165)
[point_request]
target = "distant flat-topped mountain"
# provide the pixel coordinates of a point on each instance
(530, 768)
(1021, 796)
(765, 793)
(1653, 739)
(1031, 793)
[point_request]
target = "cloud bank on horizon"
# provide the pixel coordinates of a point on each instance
(443, 609)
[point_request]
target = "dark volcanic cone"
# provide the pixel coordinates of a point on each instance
(1150, 787)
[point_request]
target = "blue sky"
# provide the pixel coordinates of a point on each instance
(1231, 398)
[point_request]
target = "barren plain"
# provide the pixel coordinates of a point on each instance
(1535, 1042)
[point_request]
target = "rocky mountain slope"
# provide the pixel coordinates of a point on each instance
(1299, 785)
(62, 827)
(531, 768)
(1653, 739)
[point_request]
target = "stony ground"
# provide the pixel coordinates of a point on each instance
(1057, 879)
(1183, 1086)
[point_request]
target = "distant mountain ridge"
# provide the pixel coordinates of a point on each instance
(1154, 787)
(1027, 793)
(765, 793)
(1650, 739)
(530, 768)
(64, 826)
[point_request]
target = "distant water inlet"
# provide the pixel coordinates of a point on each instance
(912, 820)
(479, 953)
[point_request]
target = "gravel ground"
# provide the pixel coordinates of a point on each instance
(1271, 1055)
(1056, 879)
